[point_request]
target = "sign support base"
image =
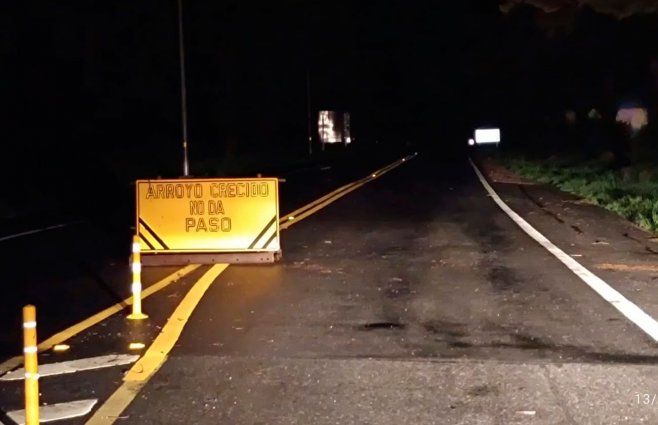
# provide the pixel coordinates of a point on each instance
(211, 258)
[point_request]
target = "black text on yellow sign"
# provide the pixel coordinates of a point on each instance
(208, 215)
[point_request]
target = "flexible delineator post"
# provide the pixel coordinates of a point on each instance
(137, 313)
(31, 365)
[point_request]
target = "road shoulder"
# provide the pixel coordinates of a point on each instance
(616, 250)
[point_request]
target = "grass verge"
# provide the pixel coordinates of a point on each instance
(631, 192)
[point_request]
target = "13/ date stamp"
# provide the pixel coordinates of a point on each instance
(644, 399)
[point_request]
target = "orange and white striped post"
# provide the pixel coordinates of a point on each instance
(31, 365)
(137, 313)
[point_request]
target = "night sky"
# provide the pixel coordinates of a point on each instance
(94, 86)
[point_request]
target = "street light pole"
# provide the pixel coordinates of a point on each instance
(183, 88)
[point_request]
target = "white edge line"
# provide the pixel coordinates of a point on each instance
(31, 232)
(631, 311)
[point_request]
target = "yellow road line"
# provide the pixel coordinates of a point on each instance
(157, 353)
(67, 333)
(335, 192)
(318, 207)
(315, 202)
(308, 209)
(313, 207)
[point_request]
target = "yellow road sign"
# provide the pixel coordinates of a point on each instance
(208, 215)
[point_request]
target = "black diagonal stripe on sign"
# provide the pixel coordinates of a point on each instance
(146, 241)
(152, 233)
(260, 235)
(269, 241)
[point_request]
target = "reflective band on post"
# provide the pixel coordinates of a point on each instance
(31, 361)
(136, 247)
(136, 287)
(137, 267)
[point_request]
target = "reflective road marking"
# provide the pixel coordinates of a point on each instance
(67, 333)
(57, 412)
(632, 312)
(157, 353)
(331, 197)
(32, 232)
(72, 366)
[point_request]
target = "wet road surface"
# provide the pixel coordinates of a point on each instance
(412, 300)
(72, 266)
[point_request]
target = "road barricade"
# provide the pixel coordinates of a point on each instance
(206, 221)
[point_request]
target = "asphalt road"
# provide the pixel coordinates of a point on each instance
(415, 300)
(72, 265)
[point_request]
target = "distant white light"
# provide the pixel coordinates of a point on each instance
(334, 127)
(636, 118)
(327, 128)
(471, 142)
(487, 135)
